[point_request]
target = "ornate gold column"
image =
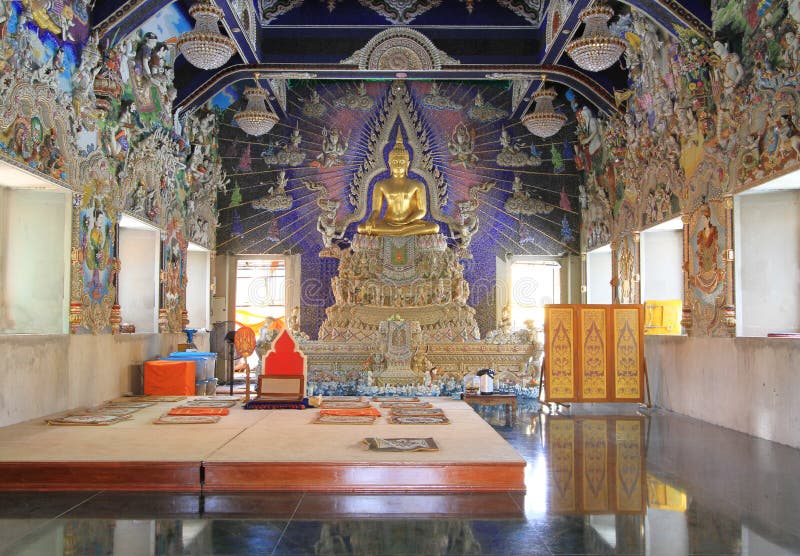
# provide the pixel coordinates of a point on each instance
(686, 317)
(729, 309)
(6, 321)
(162, 278)
(614, 271)
(115, 319)
(636, 278)
(76, 261)
(584, 278)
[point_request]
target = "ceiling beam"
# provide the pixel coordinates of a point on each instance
(127, 17)
(580, 83)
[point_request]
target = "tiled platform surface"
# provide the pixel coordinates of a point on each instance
(257, 450)
(741, 494)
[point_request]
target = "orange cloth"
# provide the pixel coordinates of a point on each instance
(367, 411)
(198, 411)
(169, 378)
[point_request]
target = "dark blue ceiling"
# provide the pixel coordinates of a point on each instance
(309, 36)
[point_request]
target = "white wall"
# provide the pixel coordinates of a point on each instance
(138, 277)
(37, 258)
(662, 261)
(598, 276)
(768, 262)
(198, 294)
(747, 384)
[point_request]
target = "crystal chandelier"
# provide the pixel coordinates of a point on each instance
(256, 119)
(544, 121)
(597, 49)
(204, 46)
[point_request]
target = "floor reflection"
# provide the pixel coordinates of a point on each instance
(656, 484)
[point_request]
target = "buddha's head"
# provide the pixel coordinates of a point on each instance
(398, 157)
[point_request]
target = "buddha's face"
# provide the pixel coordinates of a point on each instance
(398, 166)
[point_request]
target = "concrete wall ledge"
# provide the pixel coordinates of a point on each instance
(751, 385)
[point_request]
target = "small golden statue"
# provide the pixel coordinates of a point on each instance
(406, 200)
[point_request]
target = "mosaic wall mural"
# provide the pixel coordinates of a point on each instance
(700, 121)
(493, 187)
(97, 118)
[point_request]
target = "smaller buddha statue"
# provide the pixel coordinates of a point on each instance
(406, 200)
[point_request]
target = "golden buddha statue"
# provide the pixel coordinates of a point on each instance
(406, 200)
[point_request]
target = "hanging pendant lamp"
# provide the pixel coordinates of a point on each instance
(204, 46)
(597, 49)
(256, 119)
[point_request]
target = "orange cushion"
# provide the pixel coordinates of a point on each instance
(198, 411)
(169, 378)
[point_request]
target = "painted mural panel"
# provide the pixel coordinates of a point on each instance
(172, 311)
(97, 240)
(627, 263)
(708, 283)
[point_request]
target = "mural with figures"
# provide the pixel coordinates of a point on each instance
(97, 117)
(701, 120)
(498, 190)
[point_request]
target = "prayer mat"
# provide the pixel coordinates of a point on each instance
(344, 420)
(395, 399)
(366, 411)
(344, 405)
(209, 403)
(109, 410)
(266, 404)
(222, 398)
(186, 419)
(416, 411)
(418, 420)
(84, 419)
(154, 398)
(401, 444)
(183, 410)
(137, 405)
(406, 404)
(341, 399)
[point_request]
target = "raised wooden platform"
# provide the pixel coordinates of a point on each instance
(258, 451)
(363, 477)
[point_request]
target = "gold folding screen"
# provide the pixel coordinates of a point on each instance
(594, 353)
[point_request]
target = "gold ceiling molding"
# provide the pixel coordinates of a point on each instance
(400, 49)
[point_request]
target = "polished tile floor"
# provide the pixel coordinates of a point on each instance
(628, 483)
